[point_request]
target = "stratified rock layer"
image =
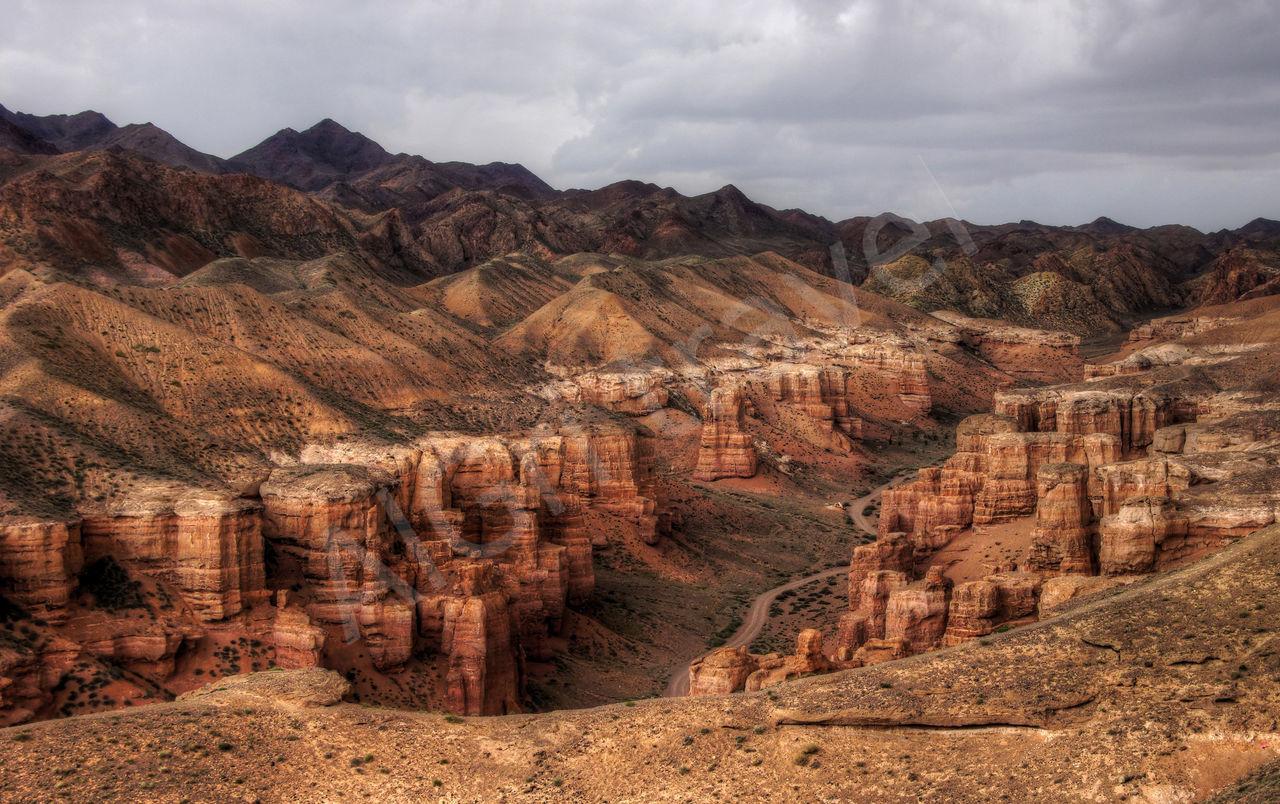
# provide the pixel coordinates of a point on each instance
(725, 449)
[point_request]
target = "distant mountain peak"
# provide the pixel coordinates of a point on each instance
(1260, 226)
(66, 132)
(312, 159)
(1105, 225)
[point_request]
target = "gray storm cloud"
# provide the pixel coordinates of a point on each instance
(1149, 111)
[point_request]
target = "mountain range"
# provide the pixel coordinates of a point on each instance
(134, 203)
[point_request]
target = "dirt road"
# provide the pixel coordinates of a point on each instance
(758, 614)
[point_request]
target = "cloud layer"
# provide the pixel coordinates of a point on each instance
(1149, 111)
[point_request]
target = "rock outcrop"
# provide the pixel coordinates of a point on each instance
(992, 478)
(917, 616)
(807, 660)
(1133, 539)
(631, 392)
(725, 449)
(297, 640)
(821, 394)
(1122, 480)
(206, 544)
(722, 671)
(728, 670)
(39, 562)
(1062, 541)
(485, 673)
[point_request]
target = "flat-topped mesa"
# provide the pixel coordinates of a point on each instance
(1157, 476)
(1062, 541)
(1154, 357)
(39, 562)
(1225, 425)
(1176, 326)
(898, 618)
(206, 544)
(725, 449)
(973, 610)
(943, 497)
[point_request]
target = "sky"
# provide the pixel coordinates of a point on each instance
(1146, 111)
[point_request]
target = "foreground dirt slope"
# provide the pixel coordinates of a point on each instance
(1167, 691)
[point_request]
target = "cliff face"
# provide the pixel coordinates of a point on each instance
(458, 551)
(38, 564)
(1062, 540)
(725, 449)
(992, 477)
(207, 545)
(501, 545)
(1108, 481)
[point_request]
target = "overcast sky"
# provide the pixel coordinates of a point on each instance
(1148, 111)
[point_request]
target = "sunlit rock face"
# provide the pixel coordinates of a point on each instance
(726, 449)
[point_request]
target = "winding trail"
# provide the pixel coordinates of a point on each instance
(758, 614)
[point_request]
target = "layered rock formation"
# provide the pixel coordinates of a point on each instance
(725, 449)
(1062, 538)
(205, 544)
(1133, 539)
(728, 670)
(722, 671)
(1029, 354)
(39, 562)
(993, 477)
(632, 393)
(1201, 471)
(821, 394)
(456, 550)
(808, 659)
(484, 671)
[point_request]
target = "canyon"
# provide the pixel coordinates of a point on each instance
(347, 529)
(1062, 492)
(368, 443)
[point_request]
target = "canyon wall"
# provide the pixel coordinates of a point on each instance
(1108, 483)
(459, 550)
